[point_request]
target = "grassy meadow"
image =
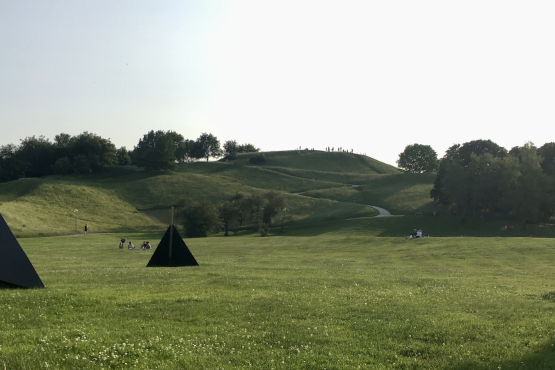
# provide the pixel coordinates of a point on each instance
(329, 300)
(338, 289)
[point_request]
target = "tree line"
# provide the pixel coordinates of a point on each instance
(480, 177)
(256, 211)
(89, 153)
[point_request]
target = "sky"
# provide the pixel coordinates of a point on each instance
(371, 76)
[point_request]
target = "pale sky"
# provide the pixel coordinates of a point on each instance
(372, 76)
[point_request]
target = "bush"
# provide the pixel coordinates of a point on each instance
(199, 218)
(258, 159)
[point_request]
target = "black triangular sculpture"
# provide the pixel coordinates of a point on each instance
(180, 255)
(15, 268)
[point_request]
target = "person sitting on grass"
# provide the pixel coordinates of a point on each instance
(412, 235)
(148, 246)
(419, 234)
(130, 245)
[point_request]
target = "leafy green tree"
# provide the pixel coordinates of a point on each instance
(81, 164)
(456, 186)
(462, 154)
(199, 218)
(479, 147)
(62, 140)
(231, 148)
(514, 185)
(159, 150)
(228, 213)
(188, 151)
(62, 166)
(10, 166)
(479, 186)
(254, 205)
(418, 158)
(122, 156)
(547, 153)
(275, 203)
(242, 207)
(91, 153)
(530, 197)
(36, 156)
(247, 148)
(207, 145)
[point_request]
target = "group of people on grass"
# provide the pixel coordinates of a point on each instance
(145, 246)
(416, 234)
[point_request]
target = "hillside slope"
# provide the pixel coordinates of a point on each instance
(318, 186)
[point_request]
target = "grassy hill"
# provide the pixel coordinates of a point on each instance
(319, 187)
(126, 198)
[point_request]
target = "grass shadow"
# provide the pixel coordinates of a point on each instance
(541, 359)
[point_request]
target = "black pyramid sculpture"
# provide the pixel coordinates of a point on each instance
(172, 251)
(15, 268)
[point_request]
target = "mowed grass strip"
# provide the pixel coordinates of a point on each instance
(334, 301)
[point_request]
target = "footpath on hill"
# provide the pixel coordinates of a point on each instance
(383, 212)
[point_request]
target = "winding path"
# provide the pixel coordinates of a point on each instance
(383, 212)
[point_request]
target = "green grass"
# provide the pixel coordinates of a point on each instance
(10, 191)
(125, 198)
(440, 226)
(343, 299)
(403, 193)
(48, 209)
(322, 161)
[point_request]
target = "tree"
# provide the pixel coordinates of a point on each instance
(463, 154)
(36, 156)
(228, 213)
(547, 153)
(247, 148)
(242, 206)
(253, 205)
(479, 147)
(159, 150)
(10, 166)
(275, 203)
(207, 145)
(92, 152)
(418, 158)
(62, 140)
(188, 151)
(122, 156)
(514, 184)
(199, 218)
(62, 166)
(231, 148)
(456, 190)
(530, 197)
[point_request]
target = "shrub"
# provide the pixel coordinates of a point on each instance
(258, 159)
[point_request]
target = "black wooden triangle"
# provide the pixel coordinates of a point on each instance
(180, 255)
(15, 268)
